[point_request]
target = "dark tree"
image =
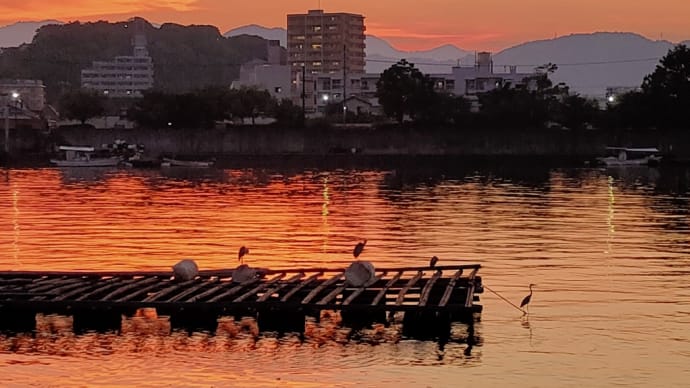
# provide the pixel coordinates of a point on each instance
(513, 108)
(404, 90)
(82, 104)
(250, 102)
(668, 88)
(286, 113)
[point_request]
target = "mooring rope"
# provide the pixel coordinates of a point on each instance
(501, 296)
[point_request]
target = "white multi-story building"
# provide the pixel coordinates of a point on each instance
(272, 74)
(124, 76)
(321, 43)
(469, 81)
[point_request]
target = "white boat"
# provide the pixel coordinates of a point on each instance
(622, 156)
(78, 156)
(168, 162)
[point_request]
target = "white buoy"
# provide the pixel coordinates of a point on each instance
(360, 274)
(185, 270)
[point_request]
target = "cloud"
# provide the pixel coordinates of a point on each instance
(396, 32)
(420, 39)
(75, 9)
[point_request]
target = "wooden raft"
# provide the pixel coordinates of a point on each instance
(449, 289)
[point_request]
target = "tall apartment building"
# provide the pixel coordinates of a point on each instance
(322, 43)
(124, 76)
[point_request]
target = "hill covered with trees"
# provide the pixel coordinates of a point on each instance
(184, 57)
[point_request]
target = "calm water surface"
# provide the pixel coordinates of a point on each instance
(609, 251)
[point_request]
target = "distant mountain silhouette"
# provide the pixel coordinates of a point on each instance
(380, 54)
(21, 32)
(184, 57)
(276, 33)
(589, 63)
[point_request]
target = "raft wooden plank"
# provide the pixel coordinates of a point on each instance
(300, 286)
(135, 284)
(141, 291)
(208, 273)
(358, 291)
(208, 292)
(385, 288)
(89, 286)
(259, 288)
(331, 295)
(168, 290)
(192, 290)
(426, 291)
(449, 289)
(57, 282)
(234, 290)
(104, 288)
(62, 289)
(410, 284)
(321, 287)
(273, 290)
(470, 288)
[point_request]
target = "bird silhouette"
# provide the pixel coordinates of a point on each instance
(243, 251)
(433, 261)
(359, 248)
(526, 300)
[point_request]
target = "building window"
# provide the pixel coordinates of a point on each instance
(316, 46)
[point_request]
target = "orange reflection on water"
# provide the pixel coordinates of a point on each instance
(120, 221)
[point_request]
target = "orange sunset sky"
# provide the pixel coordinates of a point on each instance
(407, 24)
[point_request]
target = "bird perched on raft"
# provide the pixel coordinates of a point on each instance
(433, 261)
(527, 299)
(240, 255)
(360, 273)
(359, 248)
(243, 272)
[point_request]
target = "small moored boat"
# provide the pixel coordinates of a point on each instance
(621, 156)
(168, 162)
(80, 156)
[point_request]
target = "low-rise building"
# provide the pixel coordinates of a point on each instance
(22, 103)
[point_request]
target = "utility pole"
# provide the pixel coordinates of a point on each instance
(344, 81)
(304, 94)
(7, 128)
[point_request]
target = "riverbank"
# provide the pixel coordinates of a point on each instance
(257, 142)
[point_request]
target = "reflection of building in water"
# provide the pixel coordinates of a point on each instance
(609, 217)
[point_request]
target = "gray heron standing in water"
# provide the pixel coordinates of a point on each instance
(526, 300)
(243, 251)
(359, 248)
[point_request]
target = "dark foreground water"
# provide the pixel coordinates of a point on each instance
(609, 251)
